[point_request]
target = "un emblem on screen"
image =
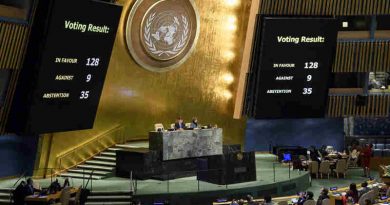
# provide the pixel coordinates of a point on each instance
(161, 35)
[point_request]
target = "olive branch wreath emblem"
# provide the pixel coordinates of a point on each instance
(152, 47)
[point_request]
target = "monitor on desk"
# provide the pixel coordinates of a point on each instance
(287, 157)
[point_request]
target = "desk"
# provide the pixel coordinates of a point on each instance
(187, 143)
(274, 200)
(333, 197)
(36, 199)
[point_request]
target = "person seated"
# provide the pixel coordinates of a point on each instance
(323, 195)
(364, 189)
(19, 193)
(29, 188)
(250, 201)
(54, 187)
(301, 198)
(309, 196)
(268, 200)
(179, 125)
(66, 183)
(353, 193)
(234, 202)
(194, 123)
(305, 197)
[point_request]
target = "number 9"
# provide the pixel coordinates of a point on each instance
(89, 77)
(309, 77)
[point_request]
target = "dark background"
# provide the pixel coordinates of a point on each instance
(298, 132)
(17, 154)
(294, 105)
(31, 113)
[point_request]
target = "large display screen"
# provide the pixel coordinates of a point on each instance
(295, 64)
(69, 73)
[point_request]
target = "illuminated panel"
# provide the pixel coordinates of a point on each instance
(62, 80)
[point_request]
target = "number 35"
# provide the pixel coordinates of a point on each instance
(84, 95)
(307, 91)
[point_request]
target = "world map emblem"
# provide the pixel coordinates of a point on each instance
(161, 35)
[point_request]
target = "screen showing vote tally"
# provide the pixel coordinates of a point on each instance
(74, 61)
(295, 63)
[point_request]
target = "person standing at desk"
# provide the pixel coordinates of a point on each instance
(179, 125)
(194, 123)
(366, 158)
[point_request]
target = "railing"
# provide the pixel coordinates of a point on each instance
(198, 180)
(45, 184)
(87, 150)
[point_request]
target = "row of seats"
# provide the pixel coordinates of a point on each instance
(324, 168)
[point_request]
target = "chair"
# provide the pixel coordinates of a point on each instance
(310, 202)
(65, 196)
(341, 168)
(388, 193)
(313, 168)
(76, 200)
(362, 199)
(375, 193)
(158, 126)
(324, 168)
(325, 202)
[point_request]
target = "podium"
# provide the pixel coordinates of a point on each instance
(187, 143)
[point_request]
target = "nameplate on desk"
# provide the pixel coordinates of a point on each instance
(240, 170)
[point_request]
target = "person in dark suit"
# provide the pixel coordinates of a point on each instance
(194, 123)
(179, 125)
(29, 188)
(54, 187)
(66, 183)
(19, 193)
(323, 195)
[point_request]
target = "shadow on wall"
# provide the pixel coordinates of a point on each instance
(17, 154)
(263, 134)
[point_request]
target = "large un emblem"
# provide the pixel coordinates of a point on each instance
(161, 34)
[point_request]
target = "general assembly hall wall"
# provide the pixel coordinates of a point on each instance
(134, 99)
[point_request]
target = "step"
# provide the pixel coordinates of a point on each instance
(126, 146)
(104, 197)
(109, 193)
(110, 154)
(110, 202)
(80, 176)
(95, 167)
(101, 163)
(2, 194)
(5, 195)
(104, 158)
(4, 201)
(88, 171)
(6, 189)
(110, 198)
(113, 149)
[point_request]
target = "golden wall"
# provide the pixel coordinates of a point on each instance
(204, 86)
